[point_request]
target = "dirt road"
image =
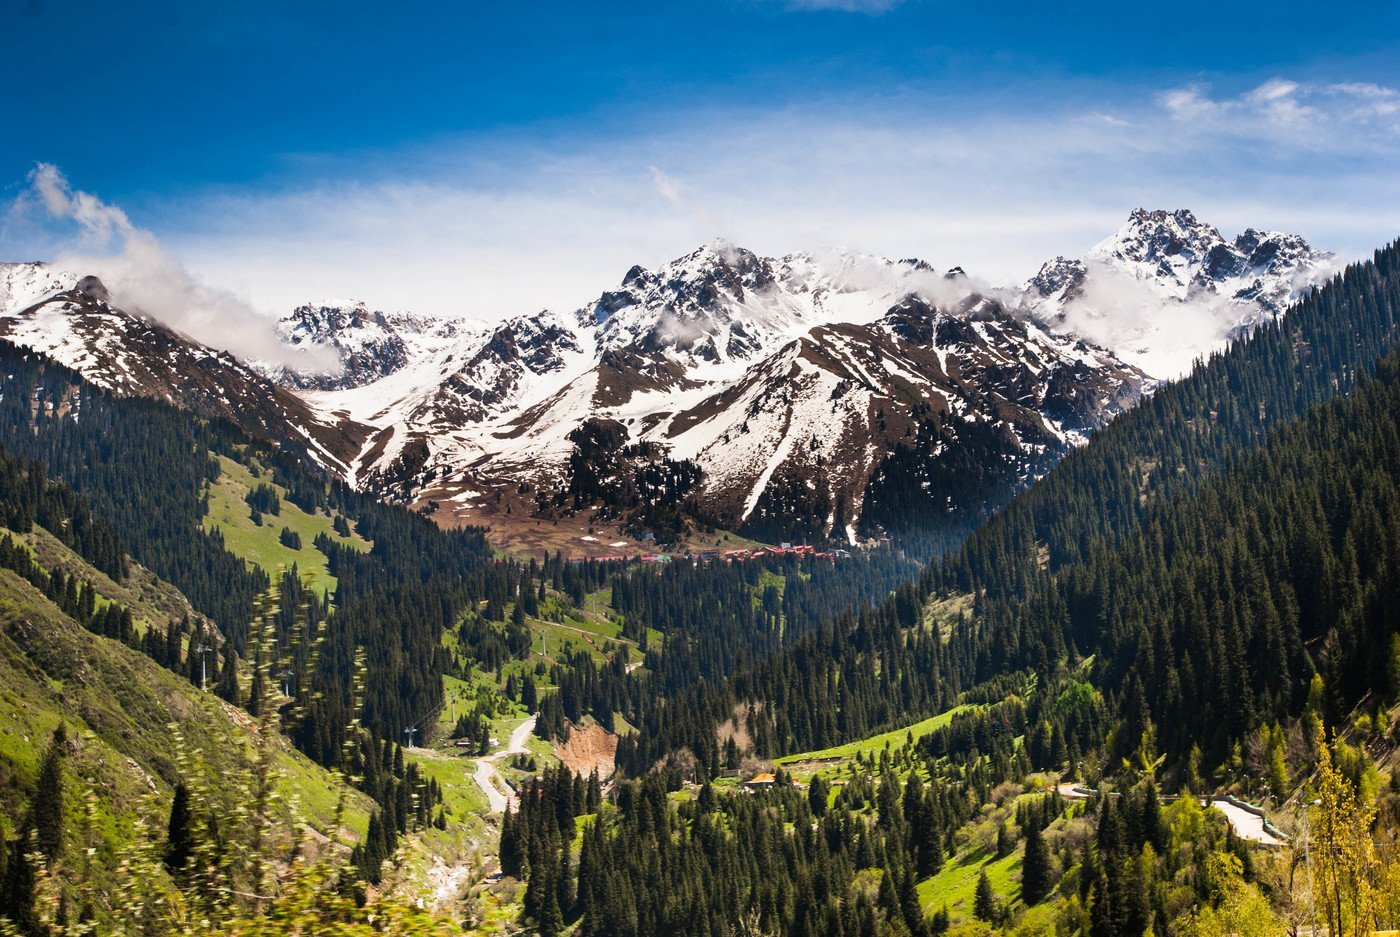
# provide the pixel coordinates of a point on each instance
(490, 780)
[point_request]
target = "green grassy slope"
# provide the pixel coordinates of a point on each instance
(955, 885)
(258, 543)
(129, 721)
(877, 743)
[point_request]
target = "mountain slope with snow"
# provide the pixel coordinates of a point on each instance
(76, 322)
(787, 381)
(1167, 288)
(824, 393)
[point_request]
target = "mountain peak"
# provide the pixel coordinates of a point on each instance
(1152, 237)
(718, 253)
(1183, 217)
(93, 288)
(1130, 290)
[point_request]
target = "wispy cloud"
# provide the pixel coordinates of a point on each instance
(495, 227)
(146, 278)
(1309, 115)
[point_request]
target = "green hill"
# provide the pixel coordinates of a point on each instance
(134, 728)
(260, 542)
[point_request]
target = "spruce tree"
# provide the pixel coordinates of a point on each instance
(179, 836)
(1035, 866)
(984, 904)
(817, 793)
(372, 850)
(48, 798)
(227, 687)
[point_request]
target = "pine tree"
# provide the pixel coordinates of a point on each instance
(372, 850)
(179, 836)
(1035, 867)
(593, 795)
(512, 851)
(818, 792)
(48, 798)
(550, 919)
(227, 687)
(984, 904)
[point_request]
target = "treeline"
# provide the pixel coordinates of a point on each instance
(394, 601)
(636, 484)
(1170, 444)
(936, 487)
(1214, 549)
(76, 598)
(406, 801)
(29, 499)
(863, 672)
(1214, 618)
(142, 466)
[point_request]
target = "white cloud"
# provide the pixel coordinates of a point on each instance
(1161, 335)
(143, 277)
(491, 227)
(1309, 115)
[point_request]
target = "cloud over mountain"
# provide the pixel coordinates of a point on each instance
(146, 278)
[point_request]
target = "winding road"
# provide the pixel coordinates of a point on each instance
(1247, 825)
(489, 779)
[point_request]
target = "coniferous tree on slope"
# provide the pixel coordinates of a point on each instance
(48, 817)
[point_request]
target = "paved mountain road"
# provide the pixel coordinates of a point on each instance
(1247, 825)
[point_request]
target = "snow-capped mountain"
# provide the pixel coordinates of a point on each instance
(828, 392)
(787, 381)
(369, 344)
(1167, 288)
(74, 320)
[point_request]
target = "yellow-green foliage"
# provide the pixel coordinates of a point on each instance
(259, 543)
(877, 743)
(1237, 909)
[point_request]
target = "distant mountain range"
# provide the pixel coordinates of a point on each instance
(819, 394)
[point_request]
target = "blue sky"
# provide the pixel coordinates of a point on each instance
(490, 158)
